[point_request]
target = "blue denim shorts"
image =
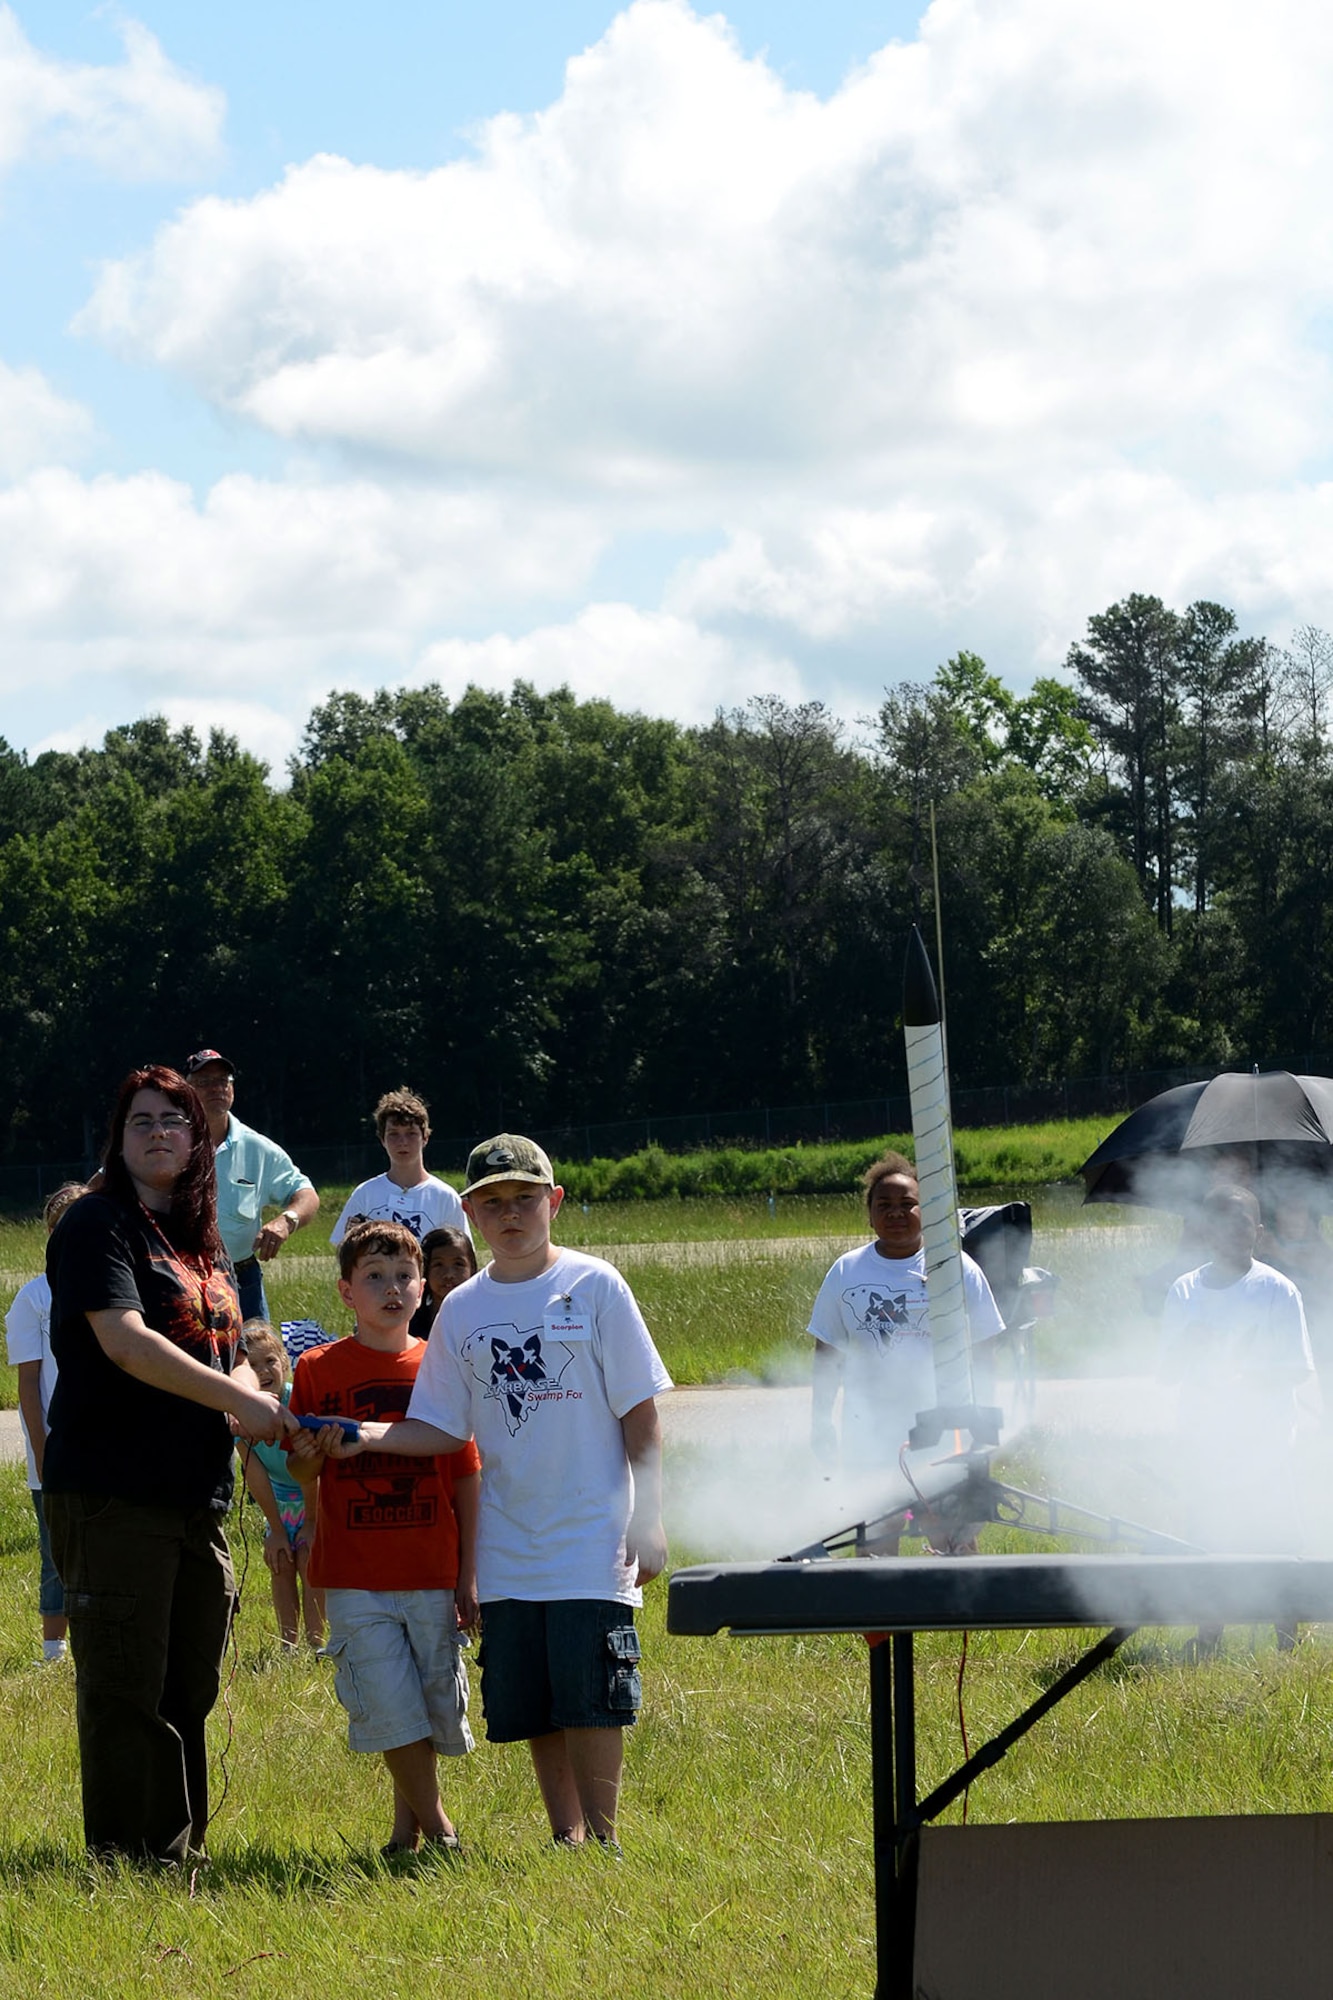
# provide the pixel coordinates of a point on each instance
(51, 1593)
(572, 1664)
(399, 1668)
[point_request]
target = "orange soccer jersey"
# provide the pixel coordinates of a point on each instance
(386, 1522)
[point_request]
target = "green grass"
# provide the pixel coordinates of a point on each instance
(707, 1219)
(711, 1322)
(746, 1817)
(655, 1196)
(715, 1320)
(986, 1156)
(732, 1321)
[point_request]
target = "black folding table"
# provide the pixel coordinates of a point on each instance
(901, 1597)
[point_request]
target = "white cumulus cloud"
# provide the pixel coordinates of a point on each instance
(262, 730)
(139, 119)
(651, 661)
(862, 597)
(261, 581)
(37, 424)
(1032, 311)
(1000, 236)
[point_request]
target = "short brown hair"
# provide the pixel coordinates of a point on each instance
(59, 1200)
(404, 1106)
(880, 1169)
(376, 1239)
(1228, 1194)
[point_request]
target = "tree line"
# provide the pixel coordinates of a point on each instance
(541, 910)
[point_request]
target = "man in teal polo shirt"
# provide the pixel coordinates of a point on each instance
(253, 1174)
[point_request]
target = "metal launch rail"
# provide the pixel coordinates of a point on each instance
(900, 1598)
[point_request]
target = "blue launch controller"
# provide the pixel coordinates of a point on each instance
(349, 1426)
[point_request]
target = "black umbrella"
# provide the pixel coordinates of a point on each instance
(1168, 1151)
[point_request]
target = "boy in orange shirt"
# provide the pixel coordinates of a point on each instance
(395, 1546)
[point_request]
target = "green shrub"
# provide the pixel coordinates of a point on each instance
(985, 1157)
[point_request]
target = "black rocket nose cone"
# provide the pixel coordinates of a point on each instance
(921, 1003)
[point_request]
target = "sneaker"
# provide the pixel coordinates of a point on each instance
(608, 1844)
(440, 1843)
(433, 1843)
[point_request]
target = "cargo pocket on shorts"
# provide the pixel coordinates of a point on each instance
(624, 1690)
(461, 1738)
(345, 1682)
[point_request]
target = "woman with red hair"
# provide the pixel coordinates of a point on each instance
(145, 1328)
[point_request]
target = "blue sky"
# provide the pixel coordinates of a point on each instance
(683, 357)
(400, 86)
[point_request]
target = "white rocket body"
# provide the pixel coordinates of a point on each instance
(932, 1130)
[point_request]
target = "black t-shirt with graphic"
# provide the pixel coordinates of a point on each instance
(110, 1433)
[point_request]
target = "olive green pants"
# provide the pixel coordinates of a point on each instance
(149, 1592)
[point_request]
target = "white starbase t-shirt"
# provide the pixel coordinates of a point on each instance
(541, 1373)
(432, 1204)
(874, 1311)
(1239, 1351)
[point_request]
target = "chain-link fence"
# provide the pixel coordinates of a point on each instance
(25, 1186)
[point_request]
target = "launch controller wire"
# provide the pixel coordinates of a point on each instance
(906, 1471)
(233, 1647)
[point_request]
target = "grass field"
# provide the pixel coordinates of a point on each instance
(984, 1156)
(726, 1283)
(746, 1817)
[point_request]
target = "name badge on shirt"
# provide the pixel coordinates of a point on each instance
(568, 1326)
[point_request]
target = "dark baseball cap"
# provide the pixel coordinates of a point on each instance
(201, 1057)
(506, 1157)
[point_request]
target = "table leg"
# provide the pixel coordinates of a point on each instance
(893, 1781)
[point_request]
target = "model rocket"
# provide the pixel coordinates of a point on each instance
(932, 1129)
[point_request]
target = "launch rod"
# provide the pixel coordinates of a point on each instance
(939, 936)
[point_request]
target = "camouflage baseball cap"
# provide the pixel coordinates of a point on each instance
(507, 1158)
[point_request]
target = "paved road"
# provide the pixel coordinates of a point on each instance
(1122, 1406)
(744, 1484)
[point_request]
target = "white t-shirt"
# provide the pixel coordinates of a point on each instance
(1239, 1352)
(28, 1338)
(432, 1205)
(541, 1373)
(873, 1310)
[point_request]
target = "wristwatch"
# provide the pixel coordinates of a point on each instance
(292, 1219)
